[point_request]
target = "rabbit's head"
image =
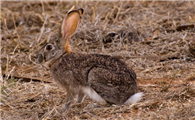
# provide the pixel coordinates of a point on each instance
(56, 46)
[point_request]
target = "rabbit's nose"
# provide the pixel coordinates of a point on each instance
(40, 58)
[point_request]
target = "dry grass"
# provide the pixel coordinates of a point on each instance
(152, 37)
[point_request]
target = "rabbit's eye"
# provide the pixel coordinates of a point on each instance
(48, 47)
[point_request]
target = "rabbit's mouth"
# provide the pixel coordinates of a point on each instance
(40, 58)
(47, 61)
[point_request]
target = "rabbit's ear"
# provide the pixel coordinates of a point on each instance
(70, 24)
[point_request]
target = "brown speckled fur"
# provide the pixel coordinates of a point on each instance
(109, 77)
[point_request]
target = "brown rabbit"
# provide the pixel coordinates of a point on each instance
(103, 78)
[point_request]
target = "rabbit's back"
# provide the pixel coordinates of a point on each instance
(80, 63)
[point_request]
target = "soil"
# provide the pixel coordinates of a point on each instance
(157, 39)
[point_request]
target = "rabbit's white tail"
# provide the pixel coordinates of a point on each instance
(134, 98)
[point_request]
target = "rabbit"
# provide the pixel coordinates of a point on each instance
(105, 79)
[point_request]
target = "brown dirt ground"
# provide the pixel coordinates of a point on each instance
(155, 38)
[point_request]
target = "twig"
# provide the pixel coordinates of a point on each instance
(48, 113)
(42, 29)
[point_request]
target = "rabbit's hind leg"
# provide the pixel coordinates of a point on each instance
(93, 95)
(109, 85)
